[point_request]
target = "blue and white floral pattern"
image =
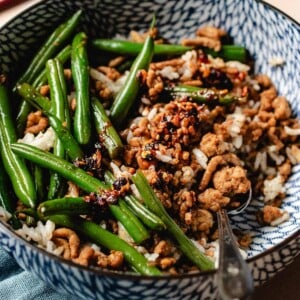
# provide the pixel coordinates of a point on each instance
(264, 31)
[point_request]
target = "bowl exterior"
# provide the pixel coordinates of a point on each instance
(68, 278)
(265, 32)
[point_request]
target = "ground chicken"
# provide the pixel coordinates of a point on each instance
(167, 262)
(281, 108)
(212, 145)
(285, 170)
(86, 255)
(271, 213)
(263, 80)
(231, 180)
(211, 32)
(201, 220)
(71, 237)
(214, 164)
(203, 41)
(213, 199)
(266, 98)
(36, 122)
(163, 248)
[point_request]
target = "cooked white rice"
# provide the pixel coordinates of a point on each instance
(43, 140)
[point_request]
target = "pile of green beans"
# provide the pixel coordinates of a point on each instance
(61, 166)
(84, 181)
(76, 130)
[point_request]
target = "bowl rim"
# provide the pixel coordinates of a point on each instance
(267, 4)
(130, 275)
(270, 5)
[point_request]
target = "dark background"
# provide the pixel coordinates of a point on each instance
(283, 286)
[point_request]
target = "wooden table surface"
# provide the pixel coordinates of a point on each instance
(286, 284)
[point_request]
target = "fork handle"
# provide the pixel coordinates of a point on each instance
(234, 276)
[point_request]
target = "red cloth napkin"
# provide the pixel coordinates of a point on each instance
(4, 4)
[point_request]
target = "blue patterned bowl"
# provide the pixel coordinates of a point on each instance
(265, 32)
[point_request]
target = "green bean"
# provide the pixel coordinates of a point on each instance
(184, 243)
(144, 214)
(106, 132)
(21, 119)
(71, 146)
(20, 177)
(66, 205)
(123, 47)
(58, 96)
(127, 95)
(126, 216)
(30, 221)
(104, 238)
(58, 90)
(65, 115)
(42, 103)
(39, 181)
(30, 94)
(200, 94)
(6, 198)
(148, 218)
(66, 169)
(50, 47)
(126, 65)
(57, 186)
(62, 56)
(131, 223)
(80, 74)
(230, 52)
(29, 212)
